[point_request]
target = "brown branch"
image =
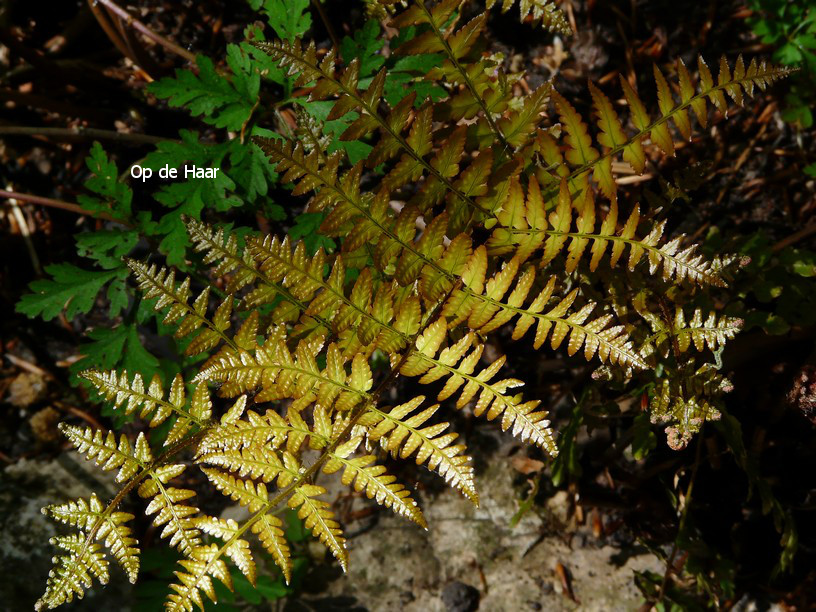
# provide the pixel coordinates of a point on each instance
(137, 25)
(803, 233)
(325, 19)
(82, 132)
(34, 199)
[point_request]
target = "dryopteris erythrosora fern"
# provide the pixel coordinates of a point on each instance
(426, 290)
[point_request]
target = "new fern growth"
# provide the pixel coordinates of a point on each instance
(502, 218)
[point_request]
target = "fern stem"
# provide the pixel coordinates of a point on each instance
(683, 515)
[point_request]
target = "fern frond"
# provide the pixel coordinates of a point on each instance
(161, 283)
(204, 564)
(297, 376)
(270, 534)
(253, 496)
(178, 519)
(402, 434)
(305, 64)
(374, 481)
(685, 400)
(107, 452)
(526, 227)
(73, 573)
(113, 530)
(237, 549)
(119, 389)
(222, 248)
(711, 333)
(482, 306)
(582, 157)
(457, 363)
(267, 431)
(315, 514)
(545, 11)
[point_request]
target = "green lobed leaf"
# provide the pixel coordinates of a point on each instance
(70, 288)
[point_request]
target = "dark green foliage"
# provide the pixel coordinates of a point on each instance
(790, 28)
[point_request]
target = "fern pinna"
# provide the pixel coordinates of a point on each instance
(486, 209)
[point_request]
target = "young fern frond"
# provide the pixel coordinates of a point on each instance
(686, 400)
(712, 332)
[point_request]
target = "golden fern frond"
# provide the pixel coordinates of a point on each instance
(313, 511)
(107, 452)
(373, 480)
(395, 252)
(119, 389)
(72, 573)
(247, 493)
(279, 262)
(204, 564)
(480, 304)
(268, 431)
(161, 283)
(177, 519)
(268, 529)
(526, 227)
(402, 434)
(283, 374)
(457, 363)
(113, 530)
(582, 157)
(222, 247)
(237, 549)
(315, 514)
(545, 11)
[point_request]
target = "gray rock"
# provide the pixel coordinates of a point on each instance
(25, 554)
(460, 597)
(510, 569)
